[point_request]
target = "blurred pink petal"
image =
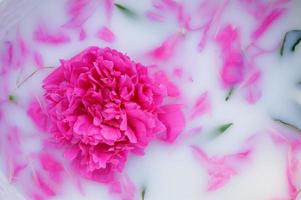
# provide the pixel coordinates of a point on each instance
(38, 59)
(106, 34)
(227, 37)
(52, 166)
(35, 112)
(253, 94)
(167, 49)
(125, 187)
(154, 16)
(79, 11)
(201, 106)
(267, 22)
(12, 153)
(43, 35)
(178, 71)
(220, 169)
(293, 168)
(23, 50)
(109, 9)
(7, 55)
(172, 89)
(82, 35)
(253, 91)
(42, 185)
(233, 69)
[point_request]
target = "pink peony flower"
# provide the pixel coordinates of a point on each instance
(102, 106)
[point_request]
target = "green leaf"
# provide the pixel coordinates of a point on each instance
(125, 10)
(290, 41)
(143, 193)
(12, 98)
(295, 44)
(287, 124)
(230, 93)
(221, 129)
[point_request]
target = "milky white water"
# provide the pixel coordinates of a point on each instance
(171, 171)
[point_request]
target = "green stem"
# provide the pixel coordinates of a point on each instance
(287, 124)
(143, 191)
(30, 75)
(230, 93)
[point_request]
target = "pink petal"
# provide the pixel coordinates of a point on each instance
(72, 152)
(227, 37)
(13, 153)
(254, 78)
(106, 34)
(233, 70)
(23, 50)
(215, 12)
(82, 35)
(35, 112)
(292, 188)
(124, 187)
(38, 59)
(101, 158)
(49, 163)
(172, 89)
(253, 94)
(35, 196)
(22, 45)
(194, 131)
(178, 72)
(54, 77)
(79, 12)
(172, 5)
(7, 55)
(293, 170)
(174, 120)
(167, 49)
(14, 168)
(154, 16)
(43, 185)
(219, 169)
(128, 188)
(256, 8)
(131, 135)
(139, 129)
(109, 9)
(43, 35)
(110, 133)
(201, 106)
(264, 25)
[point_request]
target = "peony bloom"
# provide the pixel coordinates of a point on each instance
(102, 106)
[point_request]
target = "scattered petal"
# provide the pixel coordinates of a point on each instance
(106, 35)
(174, 120)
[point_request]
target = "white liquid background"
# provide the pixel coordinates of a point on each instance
(171, 172)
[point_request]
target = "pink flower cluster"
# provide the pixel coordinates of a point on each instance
(102, 106)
